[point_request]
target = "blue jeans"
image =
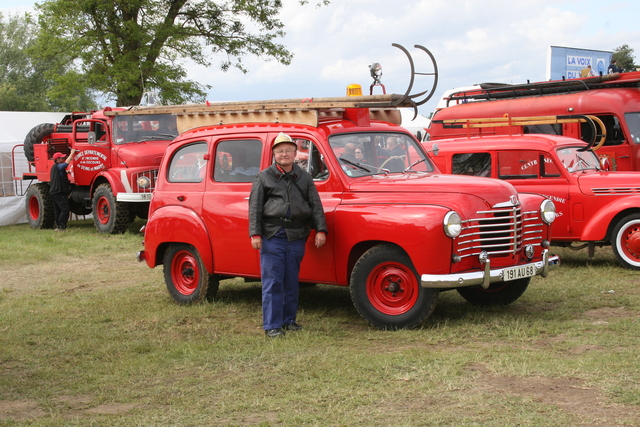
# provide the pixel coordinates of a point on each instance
(279, 267)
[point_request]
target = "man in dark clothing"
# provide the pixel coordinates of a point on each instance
(282, 203)
(60, 188)
(613, 67)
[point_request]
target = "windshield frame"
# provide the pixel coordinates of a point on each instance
(137, 128)
(576, 159)
(383, 152)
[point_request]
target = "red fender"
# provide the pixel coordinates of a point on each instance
(597, 226)
(176, 224)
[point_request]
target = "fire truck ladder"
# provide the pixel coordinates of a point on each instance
(598, 128)
(496, 91)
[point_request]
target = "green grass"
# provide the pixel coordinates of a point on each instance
(91, 337)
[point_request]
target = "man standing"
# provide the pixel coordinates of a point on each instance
(282, 204)
(60, 188)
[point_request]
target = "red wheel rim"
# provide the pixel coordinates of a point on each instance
(34, 208)
(630, 241)
(184, 273)
(392, 288)
(103, 211)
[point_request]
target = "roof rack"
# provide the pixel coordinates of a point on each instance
(507, 121)
(306, 111)
(495, 91)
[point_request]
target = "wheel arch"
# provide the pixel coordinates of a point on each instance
(610, 215)
(176, 224)
(360, 248)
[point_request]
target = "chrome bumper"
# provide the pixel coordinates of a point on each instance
(487, 276)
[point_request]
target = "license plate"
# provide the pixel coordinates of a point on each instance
(520, 272)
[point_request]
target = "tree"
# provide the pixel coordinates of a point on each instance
(23, 85)
(127, 47)
(623, 55)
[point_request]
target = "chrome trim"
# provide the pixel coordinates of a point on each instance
(487, 276)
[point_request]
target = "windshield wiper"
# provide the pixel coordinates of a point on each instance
(358, 165)
(414, 163)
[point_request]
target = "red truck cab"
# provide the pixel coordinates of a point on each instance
(399, 231)
(594, 207)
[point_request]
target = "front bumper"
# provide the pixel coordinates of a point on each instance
(133, 197)
(487, 276)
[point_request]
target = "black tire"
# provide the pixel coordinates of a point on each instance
(36, 136)
(142, 210)
(625, 241)
(39, 206)
(187, 280)
(499, 293)
(386, 291)
(109, 216)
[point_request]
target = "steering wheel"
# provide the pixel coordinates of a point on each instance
(388, 160)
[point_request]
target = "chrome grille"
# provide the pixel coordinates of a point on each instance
(501, 231)
(151, 174)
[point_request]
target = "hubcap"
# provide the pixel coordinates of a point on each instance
(392, 288)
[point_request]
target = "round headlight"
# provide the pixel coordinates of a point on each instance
(144, 182)
(548, 211)
(452, 224)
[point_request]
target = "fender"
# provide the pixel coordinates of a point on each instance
(417, 229)
(112, 177)
(175, 223)
(597, 227)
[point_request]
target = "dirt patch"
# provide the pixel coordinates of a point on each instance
(20, 410)
(567, 394)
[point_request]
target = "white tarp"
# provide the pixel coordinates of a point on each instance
(420, 123)
(14, 126)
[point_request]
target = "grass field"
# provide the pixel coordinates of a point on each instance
(88, 336)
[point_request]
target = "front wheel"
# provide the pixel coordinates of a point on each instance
(625, 241)
(386, 291)
(499, 293)
(109, 216)
(186, 277)
(39, 206)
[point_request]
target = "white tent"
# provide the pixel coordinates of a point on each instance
(14, 126)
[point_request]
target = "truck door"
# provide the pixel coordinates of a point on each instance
(93, 151)
(537, 172)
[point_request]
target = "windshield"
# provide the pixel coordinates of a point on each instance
(372, 153)
(145, 127)
(575, 160)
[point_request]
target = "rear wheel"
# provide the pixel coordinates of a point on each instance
(186, 277)
(625, 241)
(39, 206)
(386, 291)
(36, 136)
(109, 216)
(499, 293)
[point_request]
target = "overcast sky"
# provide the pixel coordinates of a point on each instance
(473, 41)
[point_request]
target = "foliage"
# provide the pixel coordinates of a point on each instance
(623, 55)
(23, 82)
(125, 48)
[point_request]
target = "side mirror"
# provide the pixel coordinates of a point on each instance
(605, 164)
(91, 137)
(435, 149)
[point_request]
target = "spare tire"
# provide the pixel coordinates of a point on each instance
(36, 136)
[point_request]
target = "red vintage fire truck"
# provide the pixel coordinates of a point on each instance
(595, 207)
(613, 99)
(113, 171)
(399, 231)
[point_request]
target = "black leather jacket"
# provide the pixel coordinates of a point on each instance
(271, 195)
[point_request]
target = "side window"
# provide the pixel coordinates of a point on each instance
(518, 164)
(548, 168)
(311, 159)
(237, 160)
(476, 164)
(188, 164)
